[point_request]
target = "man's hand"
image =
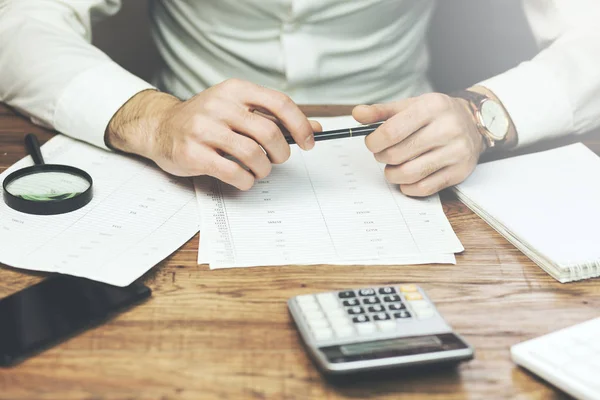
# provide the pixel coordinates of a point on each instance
(190, 138)
(429, 142)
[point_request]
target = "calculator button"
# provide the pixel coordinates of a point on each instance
(396, 307)
(377, 308)
(413, 296)
(387, 290)
(360, 319)
(314, 315)
(306, 299)
(367, 292)
(381, 317)
(371, 300)
(402, 315)
(356, 310)
(425, 313)
(335, 313)
(322, 334)
(337, 323)
(419, 304)
(366, 329)
(343, 331)
(316, 324)
(392, 299)
(346, 294)
(351, 303)
(388, 325)
(327, 300)
(409, 288)
(309, 307)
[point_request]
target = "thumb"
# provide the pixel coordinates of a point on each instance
(368, 114)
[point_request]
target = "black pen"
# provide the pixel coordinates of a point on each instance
(363, 130)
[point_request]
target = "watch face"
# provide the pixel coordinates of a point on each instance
(494, 119)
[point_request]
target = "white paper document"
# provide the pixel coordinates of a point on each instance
(330, 205)
(137, 217)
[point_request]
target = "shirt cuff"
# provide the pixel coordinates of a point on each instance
(535, 101)
(92, 98)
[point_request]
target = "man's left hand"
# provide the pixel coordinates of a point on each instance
(428, 142)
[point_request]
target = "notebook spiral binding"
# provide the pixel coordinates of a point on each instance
(586, 270)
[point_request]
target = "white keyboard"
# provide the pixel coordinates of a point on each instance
(569, 359)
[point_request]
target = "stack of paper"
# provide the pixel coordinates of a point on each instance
(137, 217)
(331, 205)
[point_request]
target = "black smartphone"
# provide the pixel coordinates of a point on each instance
(44, 314)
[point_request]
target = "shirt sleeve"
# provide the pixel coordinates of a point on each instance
(52, 73)
(558, 92)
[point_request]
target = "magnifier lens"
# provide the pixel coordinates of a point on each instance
(46, 189)
(48, 186)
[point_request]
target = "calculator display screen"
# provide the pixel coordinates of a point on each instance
(386, 348)
(419, 342)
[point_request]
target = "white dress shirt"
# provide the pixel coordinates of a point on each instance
(317, 51)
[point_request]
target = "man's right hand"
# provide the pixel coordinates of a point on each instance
(190, 138)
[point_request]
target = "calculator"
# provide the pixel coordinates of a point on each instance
(375, 328)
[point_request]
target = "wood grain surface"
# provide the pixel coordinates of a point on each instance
(226, 334)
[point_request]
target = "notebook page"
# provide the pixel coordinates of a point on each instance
(548, 200)
(326, 206)
(137, 217)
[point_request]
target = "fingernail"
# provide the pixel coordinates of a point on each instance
(309, 143)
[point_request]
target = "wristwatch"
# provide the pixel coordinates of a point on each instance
(491, 118)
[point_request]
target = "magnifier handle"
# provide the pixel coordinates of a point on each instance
(33, 148)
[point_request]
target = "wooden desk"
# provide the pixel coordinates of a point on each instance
(226, 334)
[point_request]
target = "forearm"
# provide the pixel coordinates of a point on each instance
(135, 127)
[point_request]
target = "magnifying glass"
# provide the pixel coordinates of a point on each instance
(46, 189)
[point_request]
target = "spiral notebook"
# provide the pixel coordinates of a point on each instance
(546, 204)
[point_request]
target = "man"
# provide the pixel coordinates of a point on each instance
(314, 51)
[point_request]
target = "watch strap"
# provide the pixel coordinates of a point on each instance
(476, 99)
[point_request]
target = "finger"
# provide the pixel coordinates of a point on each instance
(368, 114)
(399, 127)
(262, 130)
(420, 142)
(229, 172)
(283, 108)
(442, 179)
(315, 125)
(246, 150)
(421, 167)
